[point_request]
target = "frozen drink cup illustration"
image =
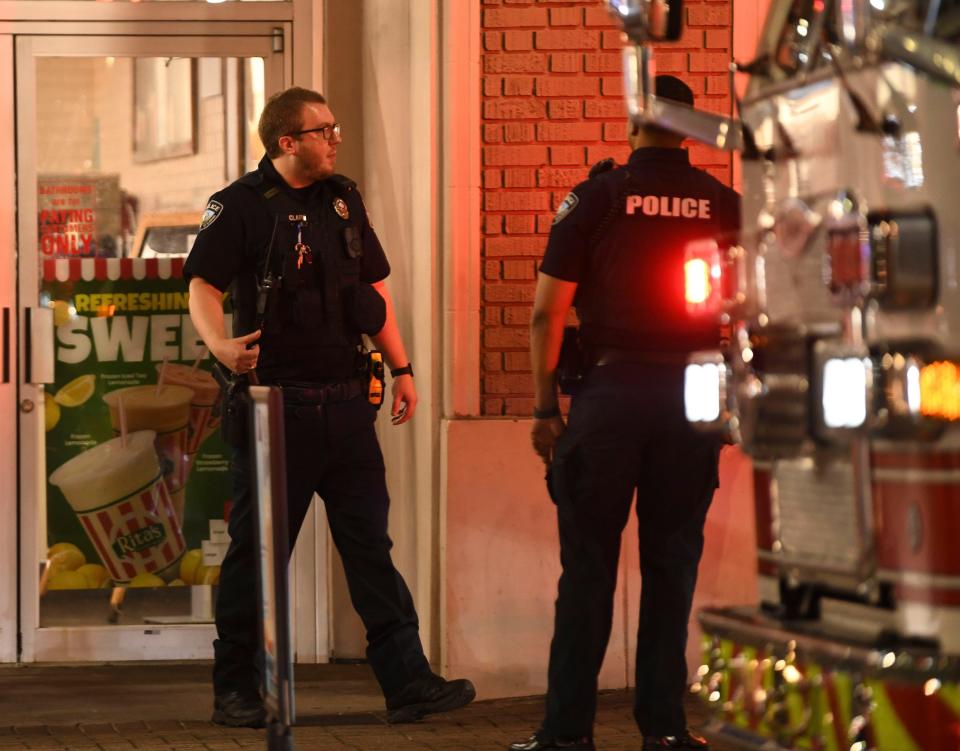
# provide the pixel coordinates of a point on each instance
(205, 407)
(119, 495)
(165, 411)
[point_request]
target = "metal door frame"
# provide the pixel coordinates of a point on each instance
(9, 618)
(86, 643)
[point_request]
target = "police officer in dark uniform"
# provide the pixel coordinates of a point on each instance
(616, 253)
(292, 242)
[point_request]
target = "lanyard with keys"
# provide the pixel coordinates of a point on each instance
(304, 254)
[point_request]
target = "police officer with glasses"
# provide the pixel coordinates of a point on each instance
(292, 243)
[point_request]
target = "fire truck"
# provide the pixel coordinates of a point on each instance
(839, 374)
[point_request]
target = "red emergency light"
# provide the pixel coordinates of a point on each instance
(703, 277)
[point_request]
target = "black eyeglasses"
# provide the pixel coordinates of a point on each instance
(329, 132)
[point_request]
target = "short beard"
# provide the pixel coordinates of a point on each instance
(319, 173)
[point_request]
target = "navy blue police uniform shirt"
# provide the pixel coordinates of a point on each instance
(234, 233)
(621, 236)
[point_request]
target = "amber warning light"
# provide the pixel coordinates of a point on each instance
(702, 275)
(940, 390)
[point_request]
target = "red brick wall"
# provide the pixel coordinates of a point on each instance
(552, 106)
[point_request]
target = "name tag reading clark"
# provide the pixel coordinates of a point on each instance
(688, 208)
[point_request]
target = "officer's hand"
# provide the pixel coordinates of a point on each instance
(545, 434)
(240, 354)
(404, 399)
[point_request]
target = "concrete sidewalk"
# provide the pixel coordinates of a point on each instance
(164, 707)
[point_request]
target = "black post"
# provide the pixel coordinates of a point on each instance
(270, 478)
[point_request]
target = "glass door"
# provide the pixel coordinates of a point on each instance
(124, 482)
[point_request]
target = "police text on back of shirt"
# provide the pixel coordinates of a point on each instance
(688, 208)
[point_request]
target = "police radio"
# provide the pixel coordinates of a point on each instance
(269, 282)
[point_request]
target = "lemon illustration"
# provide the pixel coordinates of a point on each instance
(59, 547)
(51, 412)
(94, 573)
(177, 583)
(199, 572)
(66, 560)
(211, 575)
(76, 392)
(67, 580)
(207, 575)
(189, 564)
(61, 312)
(147, 580)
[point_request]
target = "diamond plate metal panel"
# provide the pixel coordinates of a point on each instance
(817, 511)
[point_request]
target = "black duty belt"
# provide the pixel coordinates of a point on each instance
(610, 356)
(322, 393)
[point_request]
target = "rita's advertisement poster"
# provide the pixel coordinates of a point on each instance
(137, 474)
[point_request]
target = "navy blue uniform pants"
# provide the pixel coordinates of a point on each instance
(627, 432)
(332, 450)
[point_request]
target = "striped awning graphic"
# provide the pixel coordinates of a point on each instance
(111, 269)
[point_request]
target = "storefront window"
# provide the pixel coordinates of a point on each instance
(128, 152)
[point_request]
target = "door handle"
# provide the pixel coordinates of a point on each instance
(38, 345)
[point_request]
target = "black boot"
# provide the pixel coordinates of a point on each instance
(686, 740)
(237, 710)
(428, 695)
(540, 741)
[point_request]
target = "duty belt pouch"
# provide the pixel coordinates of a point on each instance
(233, 425)
(572, 366)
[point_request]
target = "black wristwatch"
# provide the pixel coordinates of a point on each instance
(546, 414)
(405, 370)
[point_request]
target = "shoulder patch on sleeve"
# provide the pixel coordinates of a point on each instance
(210, 214)
(566, 207)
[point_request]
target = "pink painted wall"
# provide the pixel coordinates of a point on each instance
(502, 561)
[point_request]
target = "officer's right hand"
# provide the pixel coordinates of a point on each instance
(239, 354)
(544, 436)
